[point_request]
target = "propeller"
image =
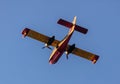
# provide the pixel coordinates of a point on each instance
(69, 50)
(47, 46)
(50, 41)
(66, 55)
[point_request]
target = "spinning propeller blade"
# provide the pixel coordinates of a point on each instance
(47, 47)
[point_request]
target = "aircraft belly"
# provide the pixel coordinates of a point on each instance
(55, 57)
(64, 43)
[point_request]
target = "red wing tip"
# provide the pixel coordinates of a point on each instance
(95, 59)
(25, 32)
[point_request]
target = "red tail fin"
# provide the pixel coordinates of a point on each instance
(69, 25)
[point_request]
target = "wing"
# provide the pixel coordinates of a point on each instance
(87, 55)
(40, 37)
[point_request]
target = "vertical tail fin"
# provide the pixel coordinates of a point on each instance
(74, 20)
(72, 28)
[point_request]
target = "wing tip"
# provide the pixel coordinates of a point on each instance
(25, 32)
(85, 31)
(94, 60)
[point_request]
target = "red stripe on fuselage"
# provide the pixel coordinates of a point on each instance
(57, 53)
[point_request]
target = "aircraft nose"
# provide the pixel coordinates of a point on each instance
(50, 62)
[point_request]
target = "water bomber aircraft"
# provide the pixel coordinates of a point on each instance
(62, 46)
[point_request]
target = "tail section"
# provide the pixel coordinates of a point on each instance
(73, 25)
(69, 25)
(74, 20)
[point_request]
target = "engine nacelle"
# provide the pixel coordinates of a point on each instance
(70, 49)
(50, 41)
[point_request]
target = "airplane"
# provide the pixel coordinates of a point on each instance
(62, 46)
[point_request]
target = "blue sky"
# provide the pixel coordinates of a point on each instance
(22, 61)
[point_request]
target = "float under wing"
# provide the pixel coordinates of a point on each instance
(43, 38)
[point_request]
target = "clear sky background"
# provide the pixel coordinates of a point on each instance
(22, 61)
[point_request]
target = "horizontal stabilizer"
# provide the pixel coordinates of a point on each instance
(69, 25)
